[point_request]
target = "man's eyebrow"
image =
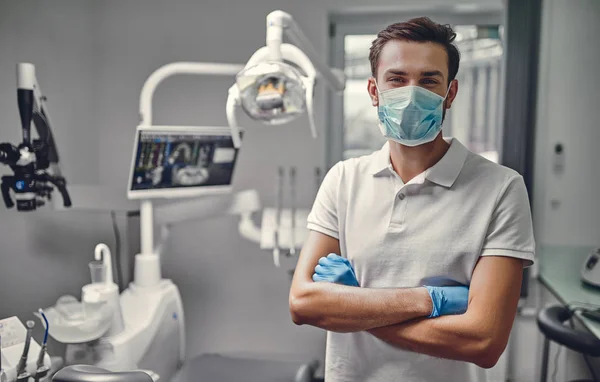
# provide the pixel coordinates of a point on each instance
(396, 72)
(432, 73)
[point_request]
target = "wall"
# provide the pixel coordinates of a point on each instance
(567, 208)
(93, 58)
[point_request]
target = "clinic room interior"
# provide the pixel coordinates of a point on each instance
(306, 191)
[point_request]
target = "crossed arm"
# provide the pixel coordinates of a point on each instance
(396, 315)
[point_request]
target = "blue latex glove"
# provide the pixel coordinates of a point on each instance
(335, 269)
(448, 300)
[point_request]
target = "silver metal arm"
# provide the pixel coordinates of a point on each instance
(279, 22)
(169, 70)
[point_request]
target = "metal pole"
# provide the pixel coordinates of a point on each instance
(544, 376)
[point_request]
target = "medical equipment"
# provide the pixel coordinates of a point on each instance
(271, 88)
(283, 230)
(86, 373)
(22, 374)
(293, 203)
(21, 356)
(276, 251)
(2, 373)
(98, 313)
(153, 335)
(41, 368)
(590, 271)
(182, 161)
(34, 163)
(410, 115)
(144, 326)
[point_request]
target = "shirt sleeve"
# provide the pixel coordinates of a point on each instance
(510, 232)
(323, 217)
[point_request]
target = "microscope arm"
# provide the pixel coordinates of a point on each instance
(32, 106)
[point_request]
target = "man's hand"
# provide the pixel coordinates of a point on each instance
(445, 300)
(448, 300)
(335, 269)
(341, 308)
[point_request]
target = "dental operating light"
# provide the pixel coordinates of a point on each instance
(272, 88)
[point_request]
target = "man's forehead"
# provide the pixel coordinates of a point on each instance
(409, 56)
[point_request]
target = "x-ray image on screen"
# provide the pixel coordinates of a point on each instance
(182, 159)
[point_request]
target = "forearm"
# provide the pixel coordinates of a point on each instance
(342, 308)
(460, 337)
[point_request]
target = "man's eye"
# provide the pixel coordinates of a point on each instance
(396, 79)
(429, 81)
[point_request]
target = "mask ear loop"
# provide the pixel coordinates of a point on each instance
(448, 91)
(376, 86)
(378, 91)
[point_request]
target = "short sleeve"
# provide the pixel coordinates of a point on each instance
(510, 232)
(323, 217)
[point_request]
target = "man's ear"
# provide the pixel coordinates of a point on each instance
(372, 89)
(452, 92)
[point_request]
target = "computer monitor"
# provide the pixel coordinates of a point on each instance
(181, 161)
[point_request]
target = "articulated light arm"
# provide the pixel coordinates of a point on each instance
(169, 70)
(279, 22)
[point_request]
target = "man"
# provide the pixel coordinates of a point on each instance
(422, 211)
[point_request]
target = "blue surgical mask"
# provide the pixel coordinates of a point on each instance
(410, 115)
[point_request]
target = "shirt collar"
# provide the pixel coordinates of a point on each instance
(381, 164)
(444, 172)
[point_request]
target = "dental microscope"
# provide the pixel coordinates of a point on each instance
(33, 162)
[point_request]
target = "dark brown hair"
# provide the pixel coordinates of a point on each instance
(421, 29)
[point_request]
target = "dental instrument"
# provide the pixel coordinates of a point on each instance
(19, 351)
(2, 373)
(41, 368)
(278, 204)
(292, 250)
(22, 374)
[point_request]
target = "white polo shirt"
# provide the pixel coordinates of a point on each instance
(429, 231)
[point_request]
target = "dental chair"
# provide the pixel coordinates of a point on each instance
(551, 322)
(205, 368)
